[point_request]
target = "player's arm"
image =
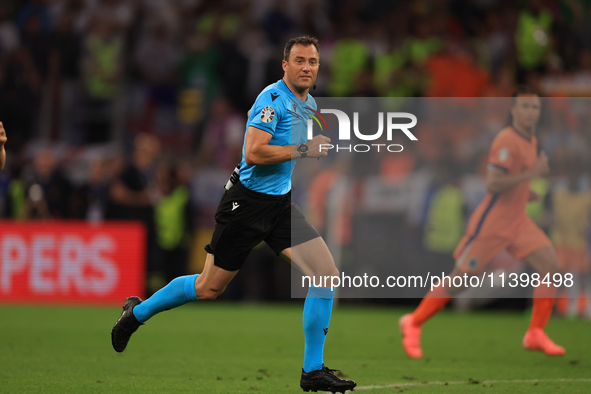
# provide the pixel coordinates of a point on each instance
(2, 150)
(257, 150)
(498, 181)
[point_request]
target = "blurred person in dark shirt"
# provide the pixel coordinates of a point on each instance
(131, 194)
(90, 200)
(49, 191)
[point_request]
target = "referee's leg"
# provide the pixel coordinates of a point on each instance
(213, 280)
(206, 286)
(312, 258)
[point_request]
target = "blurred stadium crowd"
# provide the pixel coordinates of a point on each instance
(135, 109)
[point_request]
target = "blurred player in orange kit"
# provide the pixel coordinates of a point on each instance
(2, 142)
(500, 222)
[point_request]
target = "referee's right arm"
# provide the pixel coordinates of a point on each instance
(257, 150)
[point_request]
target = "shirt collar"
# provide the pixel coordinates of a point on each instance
(289, 92)
(521, 135)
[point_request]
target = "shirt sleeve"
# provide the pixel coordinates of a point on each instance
(503, 154)
(267, 111)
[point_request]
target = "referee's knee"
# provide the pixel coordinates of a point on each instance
(327, 272)
(209, 293)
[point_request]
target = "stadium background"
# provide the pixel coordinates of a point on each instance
(135, 110)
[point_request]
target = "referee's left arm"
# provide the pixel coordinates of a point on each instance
(257, 150)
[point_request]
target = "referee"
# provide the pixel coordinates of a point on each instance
(257, 207)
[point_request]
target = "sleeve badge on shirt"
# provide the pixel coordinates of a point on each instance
(503, 155)
(267, 114)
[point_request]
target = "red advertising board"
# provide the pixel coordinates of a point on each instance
(71, 262)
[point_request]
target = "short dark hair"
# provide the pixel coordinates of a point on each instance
(520, 91)
(303, 40)
(523, 91)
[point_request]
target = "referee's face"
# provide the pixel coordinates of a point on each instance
(302, 68)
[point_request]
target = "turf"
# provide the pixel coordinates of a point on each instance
(237, 348)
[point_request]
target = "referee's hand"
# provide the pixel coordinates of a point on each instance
(3, 138)
(318, 146)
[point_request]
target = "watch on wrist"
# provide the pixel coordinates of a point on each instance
(303, 150)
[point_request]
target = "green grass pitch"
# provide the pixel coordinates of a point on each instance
(237, 348)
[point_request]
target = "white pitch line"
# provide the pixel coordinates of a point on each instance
(406, 384)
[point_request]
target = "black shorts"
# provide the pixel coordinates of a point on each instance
(244, 218)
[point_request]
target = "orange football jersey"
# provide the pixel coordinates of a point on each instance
(497, 214)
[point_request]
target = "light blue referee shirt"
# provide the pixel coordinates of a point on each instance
(278, 112)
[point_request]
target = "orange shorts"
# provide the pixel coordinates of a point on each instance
(473, 254)
(573, 261)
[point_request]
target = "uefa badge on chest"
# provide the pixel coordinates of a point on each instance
(267, 114)
(503, 154)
